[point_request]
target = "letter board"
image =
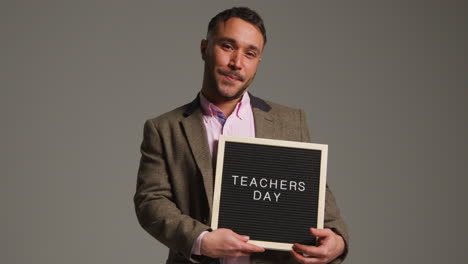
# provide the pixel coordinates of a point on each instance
(270, 190)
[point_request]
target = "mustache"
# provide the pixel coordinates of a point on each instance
(236, 74)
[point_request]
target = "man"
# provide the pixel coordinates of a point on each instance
(174, 193)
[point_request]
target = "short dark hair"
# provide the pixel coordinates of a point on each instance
(243, 13)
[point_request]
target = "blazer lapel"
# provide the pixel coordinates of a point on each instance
(197, 139)
(264, 121)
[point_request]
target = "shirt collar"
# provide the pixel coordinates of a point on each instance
(240, 111)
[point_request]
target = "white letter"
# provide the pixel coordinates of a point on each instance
(292, 185)
(244, 180)
(276, 184)
(253, 182)
(301, 186)
(266, 184)
(277, 195)
(283, 185)
(267, 196)
(255, 195)
(235, 178)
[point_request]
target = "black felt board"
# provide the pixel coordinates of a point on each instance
(244, 205)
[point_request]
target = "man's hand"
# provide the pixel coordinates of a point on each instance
(330, 246)
(224, 242)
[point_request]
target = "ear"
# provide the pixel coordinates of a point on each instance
(203, 46)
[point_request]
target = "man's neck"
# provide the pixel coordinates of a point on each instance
(226, 106)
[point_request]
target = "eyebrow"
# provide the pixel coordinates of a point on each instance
(233, 41)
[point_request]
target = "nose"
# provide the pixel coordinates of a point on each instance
(235, 62)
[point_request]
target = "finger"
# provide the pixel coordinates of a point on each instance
(306, 260)
(251, 248)
(321, 233)
(312, 251)
(241, 237)
(244, 251)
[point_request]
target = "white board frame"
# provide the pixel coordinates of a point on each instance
(270, 142)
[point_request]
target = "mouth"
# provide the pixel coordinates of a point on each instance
(230, 76)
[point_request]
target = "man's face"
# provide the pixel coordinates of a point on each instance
(231, 54)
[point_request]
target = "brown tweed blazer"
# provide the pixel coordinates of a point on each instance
(174, 193)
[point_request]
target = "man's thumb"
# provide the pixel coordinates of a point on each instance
(319, 232)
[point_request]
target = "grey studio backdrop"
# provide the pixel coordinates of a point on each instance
(384, 83)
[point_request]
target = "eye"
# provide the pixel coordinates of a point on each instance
(227, 46)
(251, 54)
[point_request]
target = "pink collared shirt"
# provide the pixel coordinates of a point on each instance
(239, 123)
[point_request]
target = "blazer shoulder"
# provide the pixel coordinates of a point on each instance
(289, 122)
(171, 117)
(283, 110)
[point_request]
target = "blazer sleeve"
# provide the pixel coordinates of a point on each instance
(333, 219)
(156, 211)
